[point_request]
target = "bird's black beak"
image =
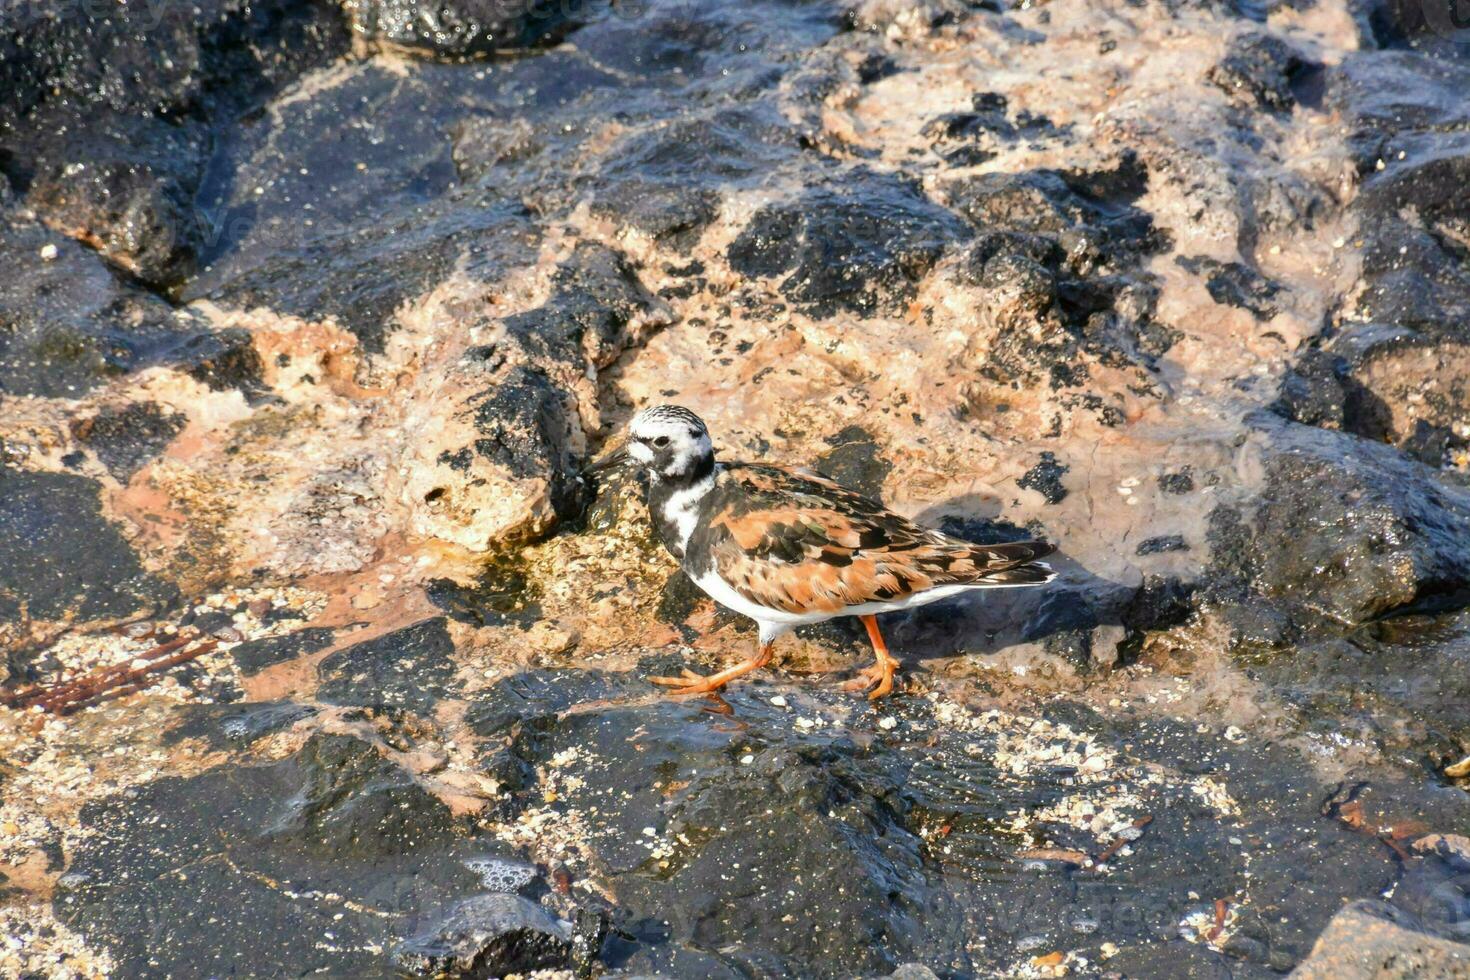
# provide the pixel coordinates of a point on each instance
(607, 462)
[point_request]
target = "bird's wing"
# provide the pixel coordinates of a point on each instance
(798, 542)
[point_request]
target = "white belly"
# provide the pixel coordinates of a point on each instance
(774, 622)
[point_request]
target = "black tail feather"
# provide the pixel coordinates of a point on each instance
(1012, 563)
(1013, 552)
(1035, 573)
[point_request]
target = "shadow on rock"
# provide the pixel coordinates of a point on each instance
(1082, 619)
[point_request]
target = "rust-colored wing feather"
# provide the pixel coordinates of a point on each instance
(798, 542)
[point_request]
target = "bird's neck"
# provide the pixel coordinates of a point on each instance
(696, 471)
(674, 500)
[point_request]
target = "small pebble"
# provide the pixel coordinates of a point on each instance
(888, 723)
(48, 252)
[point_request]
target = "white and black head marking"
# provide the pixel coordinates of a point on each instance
(670, 442)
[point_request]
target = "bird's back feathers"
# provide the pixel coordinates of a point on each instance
(795, 541)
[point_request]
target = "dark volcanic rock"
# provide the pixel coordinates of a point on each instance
(68, 323)
(725, 146)
(509, 468)
(500, 593)
(1411, 206)
(1258, 70)
(60, 558)
(1314, 391)
(102, 126)
(723, 49)
(526, 425)
(537, 696)
(455, 28)
(749, 840)
(167, 60)
(971, 138)
(254, 656)
(1400, 682)
(1405, 348)
(828, 880)
(320, 862)
(1096, 626)
(128, 438)
(1161, 544)
(673, 215)
(1160, 603)
(1384, 384)
(487, 936)
(1177, 483)
(859, 246)
(855, 462)
(1408, 388)
(667, 180)
(226, 726)
(1046, 479)
(1090, 214)
(1064, 622)
(222, 360)
(340, 273)
(1234, 284)
(482, 144)
(1351, 529)
(1058, 261)
(409, 669)
(595, 311)
(126, 188)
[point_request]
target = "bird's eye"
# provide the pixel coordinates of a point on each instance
(661, 441)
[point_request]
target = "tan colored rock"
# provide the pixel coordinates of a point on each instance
(1452, 847)
(457, 485)
(1370, 940)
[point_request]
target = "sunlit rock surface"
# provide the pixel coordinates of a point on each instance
(314, 312)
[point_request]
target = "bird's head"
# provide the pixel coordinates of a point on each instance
(670, 442)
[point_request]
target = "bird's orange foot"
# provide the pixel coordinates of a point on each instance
(690, 682)
(878, 677)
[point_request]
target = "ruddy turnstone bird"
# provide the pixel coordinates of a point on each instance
(788, 547)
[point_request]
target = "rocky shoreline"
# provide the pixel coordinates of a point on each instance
(319, 655)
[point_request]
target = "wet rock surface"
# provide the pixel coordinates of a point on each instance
(334, 843)
(68, 324)
(103, 132)
(126, 439)
(63, 559)
(1373, 939)
(315, 312)
(1373, 531)
(858, 249)
(722, 831)
(406, 669)
(461, 27)
(489, 935)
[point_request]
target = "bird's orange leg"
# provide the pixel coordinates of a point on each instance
(692, 683)
(879, 677)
